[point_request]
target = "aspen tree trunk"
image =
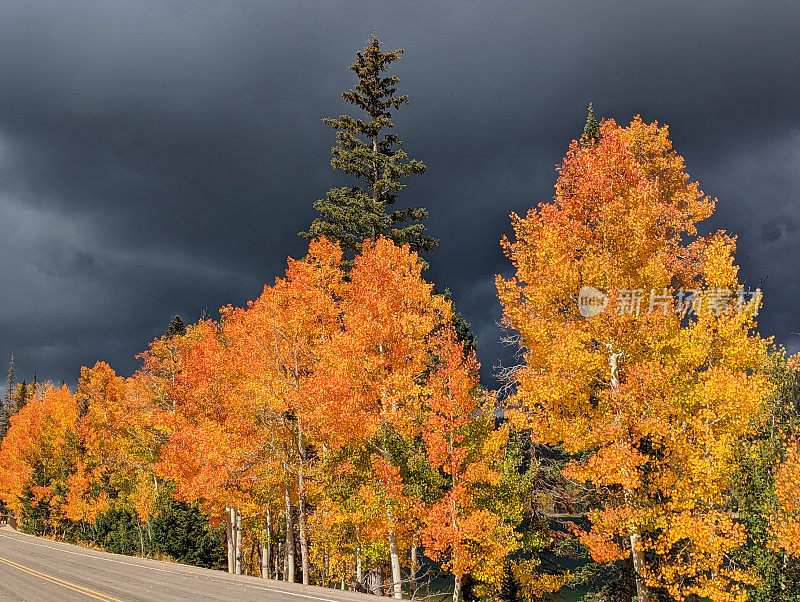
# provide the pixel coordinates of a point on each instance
(394, 552)
(266, 548)
(288, 574)
(238, 548)
(265, 562)
(394, 555)
(457, 584)
(637, 553)
(231, 542)
(301, 505)
(359, 569)
(784, 572)
(412, 584)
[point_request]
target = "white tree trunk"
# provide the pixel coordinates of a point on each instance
(230, 538)
(412, 580)
(288, 574)
(637, 553)
(301, 524)
(394, 555)
(359, 569)
(301, 506)
(457, 584)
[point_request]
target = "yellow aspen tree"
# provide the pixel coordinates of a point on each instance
(648, 395)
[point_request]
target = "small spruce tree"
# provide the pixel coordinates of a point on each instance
(175, 328)
(591, 131)
(22, 395)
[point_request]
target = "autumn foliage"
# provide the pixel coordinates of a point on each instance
(786, 521)
(650, 402)
(337, 425)
(314, 416)
(40, 437)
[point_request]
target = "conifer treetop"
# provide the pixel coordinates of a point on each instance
(591, 131)
(367, 150)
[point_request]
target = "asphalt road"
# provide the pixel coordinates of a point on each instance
(34, 570)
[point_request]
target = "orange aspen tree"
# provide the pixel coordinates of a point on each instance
(276, 342)
(210, 438)
(651, 398)
(36, 452)
(371, 383)
(458, 430)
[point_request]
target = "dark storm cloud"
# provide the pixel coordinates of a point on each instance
(159, 157)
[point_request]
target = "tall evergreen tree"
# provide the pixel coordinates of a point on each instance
(6, 403)
(591, 131)
(10, 378)
(367, 150)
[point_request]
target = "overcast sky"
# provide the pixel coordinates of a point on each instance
(160, 157)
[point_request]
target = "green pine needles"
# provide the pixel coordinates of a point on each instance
(367, 150)
(591, 131)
